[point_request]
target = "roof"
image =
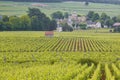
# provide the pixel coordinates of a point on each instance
(49, 33)
(90, 22)
(116, 24)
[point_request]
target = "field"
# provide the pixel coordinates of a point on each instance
(20, 8)
(78, 55)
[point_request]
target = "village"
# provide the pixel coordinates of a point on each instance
(74, 21)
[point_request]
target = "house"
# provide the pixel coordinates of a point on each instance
(75, 18)
(70, 22)
(59, 29)
(98, 25)
(73, 21)
(91, 24)
(105, 26)
(116, 24)
(49, 33)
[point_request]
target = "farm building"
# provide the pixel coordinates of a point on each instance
(116, 27)
(91, 24)
(49, 33)
(116, 24)
(59, 29)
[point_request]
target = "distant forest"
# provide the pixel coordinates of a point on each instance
(95, 1)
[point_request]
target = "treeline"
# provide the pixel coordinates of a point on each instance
(35, 20)
(95, 1)
(103, 18)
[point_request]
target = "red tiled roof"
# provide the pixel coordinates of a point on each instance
(49, 33)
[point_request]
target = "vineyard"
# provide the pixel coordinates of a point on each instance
(78, 55)
(26, 44)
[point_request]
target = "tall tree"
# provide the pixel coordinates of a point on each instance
(95, 17)
(104, 17)
(86, 3)
(53, 25)
(114, 19)
(39, 20)
(1, 26)
(25, 23)
(90, 15)
(7, 26)
(57, 15)
(33, 12)
(5, 18)
(35, 23)
(66, 15)
(109, 23)
(15, 23)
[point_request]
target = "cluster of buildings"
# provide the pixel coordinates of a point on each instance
(74, 20)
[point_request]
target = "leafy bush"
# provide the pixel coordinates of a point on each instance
(88, 61)
(83, 26)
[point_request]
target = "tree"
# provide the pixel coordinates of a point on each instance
(102, 23)
(90, 15)
(95, 17)
(15, 23)
(39, 20)
(57, 15)
(104, 16)
(66, 15)
(33, 12)
(53, 25)
(66, 27)
(7, 26)
(109, 22)
(105, 20)
(83, 26)
(114, 19)
(118, 18)
(5, 18)
(46, 24)
(35, 23)
(1, 26)
(25, 23)
(117, 29)
(86, 3)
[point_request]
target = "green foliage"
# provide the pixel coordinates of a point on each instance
(87, 60)
(15, 23)
(35, 20)
(104, 16)
(7, 26)
(25, 23)
(95, 17)
(5, 18)
(66, 27)
(83, 26)
(1, 26)
(117, 29)
(90, 15)
(109, 22)
(57, 15)
(66, 15)
(39, 20)
(53, 25)
(86, 3)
